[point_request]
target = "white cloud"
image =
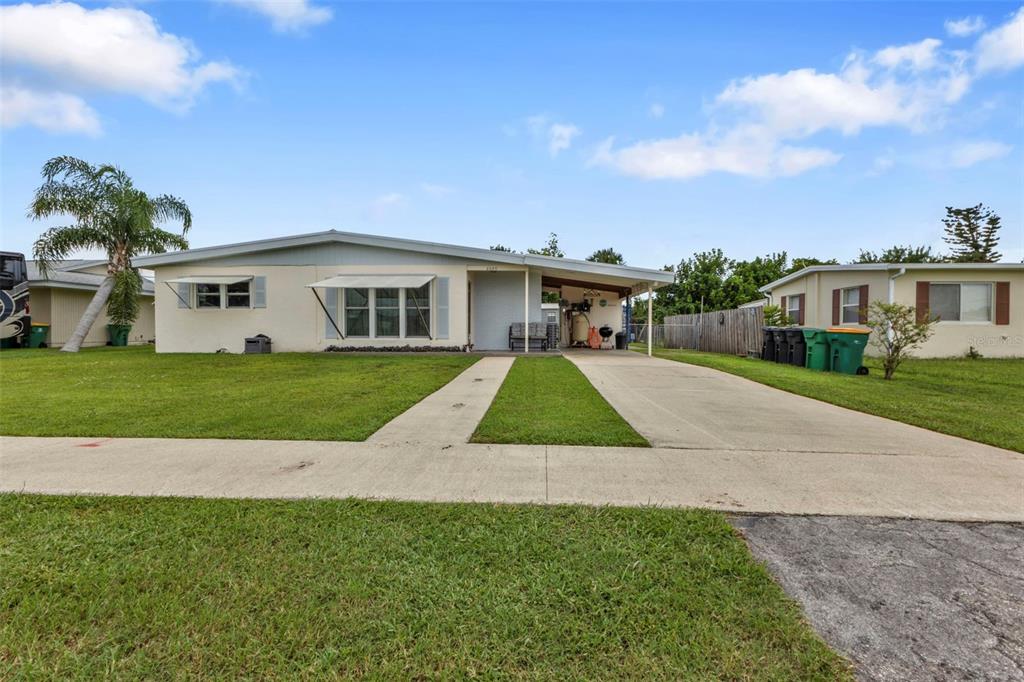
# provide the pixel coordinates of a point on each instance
(966, 154)
(960, 28)
(758, 122)
(288, 16)
(749, 151)
(54, 112)
(114, 49)
(919, 56)
(1002, 48)
(558, 136)
(657, 110)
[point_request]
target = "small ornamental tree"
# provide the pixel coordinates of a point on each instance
(896, 332)
(774, 316)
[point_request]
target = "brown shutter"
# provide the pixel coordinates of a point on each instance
(803, 297)
(921, 303)
(862, 312)
(836, 293)
(1002, 303)
(782, 304)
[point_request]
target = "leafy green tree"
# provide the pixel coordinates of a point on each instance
(973, 234)
(746, 277)
(549, 249)
(608, 255)
(897, 332)
(900, 254)
(110, 214)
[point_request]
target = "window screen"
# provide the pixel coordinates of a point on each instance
(851, 305)
(207, 295)
(386, 311)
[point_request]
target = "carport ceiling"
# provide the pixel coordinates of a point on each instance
(556, 282)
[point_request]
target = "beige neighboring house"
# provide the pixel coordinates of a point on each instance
(979, 305)
(60, 299)
(311, 291)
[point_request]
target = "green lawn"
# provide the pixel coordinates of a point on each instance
(976, 399)
(142, 588)
(549, 401)
(136, 392)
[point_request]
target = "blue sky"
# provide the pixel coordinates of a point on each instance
(657, 129)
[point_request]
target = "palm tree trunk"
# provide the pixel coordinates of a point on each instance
(92, 311)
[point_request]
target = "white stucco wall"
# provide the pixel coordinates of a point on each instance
(293, 319)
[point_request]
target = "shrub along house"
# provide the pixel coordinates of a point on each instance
(979, 305)
(311, 291)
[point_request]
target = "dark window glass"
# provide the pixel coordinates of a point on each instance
(207, 295)
(357, 312)
(386, 310)
(238, 295)
(417, 311)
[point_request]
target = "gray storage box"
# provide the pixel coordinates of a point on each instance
(257, 344)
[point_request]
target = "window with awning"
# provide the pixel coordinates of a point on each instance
(376, 306)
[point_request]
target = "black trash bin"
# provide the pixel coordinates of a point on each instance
(797, 346)
(782, 349)
(768, 344)
(257, 344)
(620, 341)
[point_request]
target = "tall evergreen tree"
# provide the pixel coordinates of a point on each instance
(973, 233)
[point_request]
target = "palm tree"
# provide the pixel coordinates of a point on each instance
(109, 214)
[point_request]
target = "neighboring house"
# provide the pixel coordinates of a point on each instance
(759, 303)
(979, 305)
(311, 291)
(60, 299)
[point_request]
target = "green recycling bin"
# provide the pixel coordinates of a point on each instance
(118, 334)
(847, 349)
(37, 335)
(819, 356)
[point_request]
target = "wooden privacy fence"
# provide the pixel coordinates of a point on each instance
(735, 331)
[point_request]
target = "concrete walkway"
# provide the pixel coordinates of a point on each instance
(974, 485)
(450, 414)
(675, 405)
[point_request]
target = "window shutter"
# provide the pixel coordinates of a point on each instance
(184, 294)
(443, 285)
(259, 292)
(836, 298)
(803, 298)
(921, 301)
(782, 304)
(1002, 303)
(331, 303)
(862, 311)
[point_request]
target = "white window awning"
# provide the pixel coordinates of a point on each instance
(372, 282)
(210, 279)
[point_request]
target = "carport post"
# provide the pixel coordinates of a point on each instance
(650, 321)
(526, 311)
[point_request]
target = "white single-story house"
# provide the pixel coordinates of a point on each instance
(979, 305)
(60, 298)
(311, 291)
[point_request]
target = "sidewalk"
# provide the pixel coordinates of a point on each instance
(964, 487)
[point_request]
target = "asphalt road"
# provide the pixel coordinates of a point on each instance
(904, 599)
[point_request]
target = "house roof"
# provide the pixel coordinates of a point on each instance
(61, 276)
(658, 277)
(854, 267)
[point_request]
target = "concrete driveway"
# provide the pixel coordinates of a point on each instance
(675, 405)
